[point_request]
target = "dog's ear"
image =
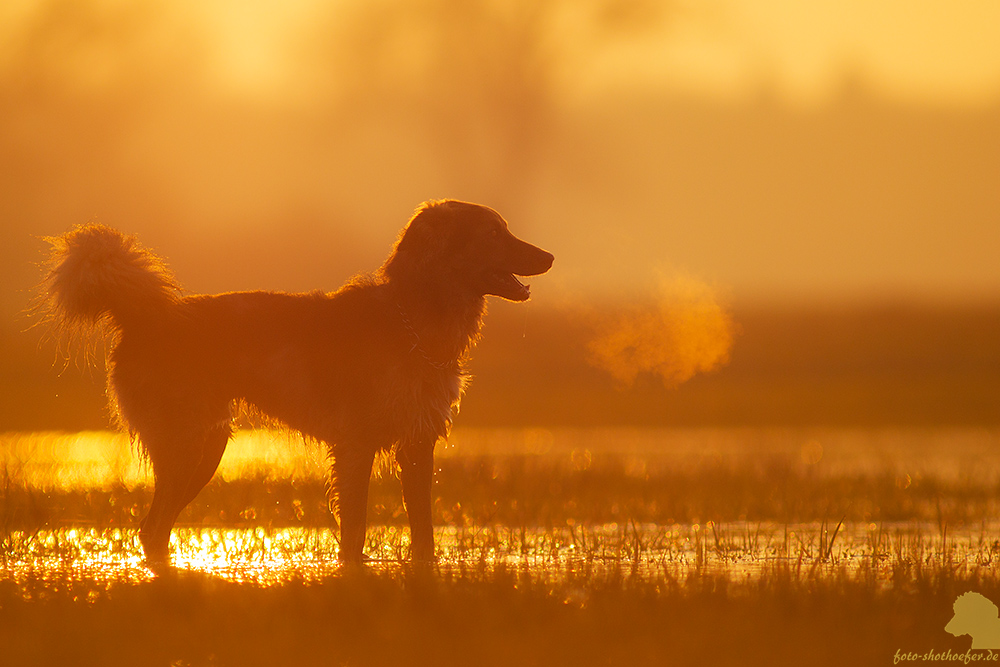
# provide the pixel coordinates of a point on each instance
(426, 235)
(422, 243)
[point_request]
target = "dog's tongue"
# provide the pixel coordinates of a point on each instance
(525, 289)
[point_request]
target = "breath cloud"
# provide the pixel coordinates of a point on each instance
(687, 331)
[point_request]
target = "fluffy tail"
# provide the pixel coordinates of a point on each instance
(96, 272)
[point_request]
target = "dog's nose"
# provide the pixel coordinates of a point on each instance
(548, 258)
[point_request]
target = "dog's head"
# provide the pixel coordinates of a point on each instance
(973, 614)
(458, 247)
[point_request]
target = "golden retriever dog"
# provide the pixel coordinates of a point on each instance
(377, 366)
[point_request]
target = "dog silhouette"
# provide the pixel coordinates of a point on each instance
(977, 616)
(375, 370)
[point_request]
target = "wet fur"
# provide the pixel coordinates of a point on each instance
(376, 367)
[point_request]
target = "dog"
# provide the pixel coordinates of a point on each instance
(378, 366)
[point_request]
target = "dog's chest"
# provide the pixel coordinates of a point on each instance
(454, 384)
(426, 402)
(441, 390)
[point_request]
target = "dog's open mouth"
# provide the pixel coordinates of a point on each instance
(507, 285)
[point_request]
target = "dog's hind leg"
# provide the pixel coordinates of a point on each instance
(351, 476)
(181, 466)
(416, 472)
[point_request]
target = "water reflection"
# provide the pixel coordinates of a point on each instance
(544, 512)
(742, 552)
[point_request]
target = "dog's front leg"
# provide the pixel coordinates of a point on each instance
(416, 472)
(352, 471)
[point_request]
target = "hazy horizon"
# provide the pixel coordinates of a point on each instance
(774, 153)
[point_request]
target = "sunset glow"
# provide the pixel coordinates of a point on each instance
(725, 138)
(274, 388)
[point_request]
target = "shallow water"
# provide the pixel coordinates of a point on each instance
(742, 552)
(568, 551)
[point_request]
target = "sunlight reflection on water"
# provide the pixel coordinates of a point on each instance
(264, 557)
(569, 549)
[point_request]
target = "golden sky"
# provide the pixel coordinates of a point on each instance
(773, 148)
(920, 51)
(924, 51)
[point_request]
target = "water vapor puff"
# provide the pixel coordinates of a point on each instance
(686, 331)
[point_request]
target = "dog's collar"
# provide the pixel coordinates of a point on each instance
(418, 348)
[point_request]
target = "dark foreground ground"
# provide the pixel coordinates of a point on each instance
(408, 617)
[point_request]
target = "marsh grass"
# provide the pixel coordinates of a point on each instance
(555, 552)
(536, 477)
(636, 595)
